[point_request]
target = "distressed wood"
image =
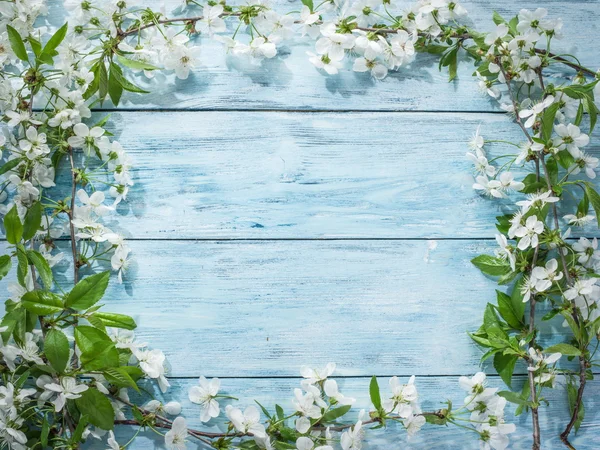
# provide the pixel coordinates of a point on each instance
(270, 175)
(265, 308)
(432, 391)
(289, 81)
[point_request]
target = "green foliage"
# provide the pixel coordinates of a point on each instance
(505, 366)
(5, 265)
(42, 303)
(88, 291)
(565, 349)
(374, 393)
(56, 349)
(333, 414)
(33, 221)
(97, 408)
(97, 349)
(13, 226)
(16, 43)
(491, 265)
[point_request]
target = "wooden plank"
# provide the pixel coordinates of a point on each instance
(265, 308)
(207, 175)
(291, 82)
(432, 391)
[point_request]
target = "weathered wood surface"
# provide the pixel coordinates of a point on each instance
(206, 175)
(265, 308)
(289, 81)
(432, 391)
(261, 308)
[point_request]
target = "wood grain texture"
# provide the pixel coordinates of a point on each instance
(432, 391)
(266, 308)
(207, 175)
(289, 81)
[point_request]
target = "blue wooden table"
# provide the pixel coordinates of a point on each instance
(282, 217)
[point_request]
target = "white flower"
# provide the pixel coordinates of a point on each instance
(529, 233)
(308, 21)
(304, 443)
(351, 439)
(331, 389)
(112, 442)
(85, 138)
(482, 165)
(317, 375)
(324, 62)
(508, 183)
(171, 408)
(570, 138)
(19, 117)
(94, 201)
(580, 288)
(332, 43)
(586, 162)
(577, 220)
(259, 48)
(506, 251)
(182, 60)
(492, 188)
(477, 142)
(497, 34)
(413, 424)
(35, 144)
(204, 395)
(539, 199)
(246, 422)
(175, 438)
(404, 398)
(476, 387)
(67, 389)
(535, 111)
(152, 362)
(547, 275)
(494, 437)
(532, 21)
(378, 70)
(305, 404)
(211, 21)
(587, 251)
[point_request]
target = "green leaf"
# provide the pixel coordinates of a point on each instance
(120, 378)
(140, 65)
(56, 349)
(45, 432)
(42, 303)
(5, 265)
(13, 226)
(88, 291)
(374, 393)
(33, 221)
(564, 349)
(309, 3)
(334, 414)
(548, 120)
(115, 320)
(97, 350)
(78, 433)
(115, 90)
(511, 311)
(97, 408)
(592, 110)
(23, 265)
(10, 165)
(498, 19)
(505, 366)
(513, 397)
(102, 81)
(594, 200)
(55, 40)
(279, 411)
(16, 43)
(264, 410)
(42, 267)
(491, 265)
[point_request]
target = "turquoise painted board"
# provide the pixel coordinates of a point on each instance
(255, 225)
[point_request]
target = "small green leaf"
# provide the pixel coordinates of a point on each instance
(55, 40)
(120, 378)
(88, 291)
(97, 349)
(309, 3)
(548, 120)
(115, 90)
(5, 265)
(56, 349)
(115, 320)
(564, 349)
(97, 408)
(505, 366)
(33, 221)
(497, 18)
(136, 65)
(16, 43)
(491, 265)
(594, 200)
(374, 393)
(10, 165)
(511, 311)
(42, 303)
(102, 81)
(13, 226)
(513, 397)
(42, 267)
(334, 414)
